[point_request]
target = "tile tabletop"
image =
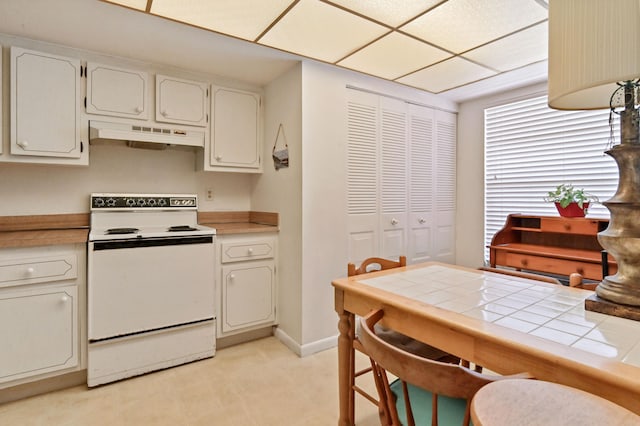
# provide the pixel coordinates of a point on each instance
(540, 309)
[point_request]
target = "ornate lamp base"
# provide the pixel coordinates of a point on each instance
(622, 237)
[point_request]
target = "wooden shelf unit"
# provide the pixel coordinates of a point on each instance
(555, 245)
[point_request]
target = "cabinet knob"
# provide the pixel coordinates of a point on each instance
(232, 277)
(421, 220)
(30, 271)
(165, 113)
(23, 144)
(567, 227)
(64, 299)
(524, 262)
(139, 109)
(394, 221)
(250, 250)
(218, 157)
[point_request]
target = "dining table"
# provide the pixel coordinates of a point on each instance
(505, 324)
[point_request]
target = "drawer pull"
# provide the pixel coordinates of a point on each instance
(394, 221)
(523, 262)
(421, 220)
(30, 271)
(250, 251)
(567, 227)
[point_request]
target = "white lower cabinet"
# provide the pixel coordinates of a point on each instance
(40, 293)
(248, 290)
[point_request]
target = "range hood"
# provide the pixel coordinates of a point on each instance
(145, 136)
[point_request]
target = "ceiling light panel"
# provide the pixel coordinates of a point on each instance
(318, 30)
(451, 73)
(460, 25)
(246, 19)
(134, 4)
(392, 13)
(393, 56)
(517, 50)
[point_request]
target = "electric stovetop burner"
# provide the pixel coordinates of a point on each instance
(117, 231)
(181, 228)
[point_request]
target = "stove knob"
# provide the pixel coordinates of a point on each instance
(151, 202)
(98, 202)
(162, 202)
(111, 202)
(131, 202)
(141, 202)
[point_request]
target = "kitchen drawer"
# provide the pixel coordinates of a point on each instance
(592, 271)
(38, 270)
(247, 250)
(568, 226)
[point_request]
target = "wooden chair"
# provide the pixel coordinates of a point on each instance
(442, 380)
(510, 402)
(394, 338)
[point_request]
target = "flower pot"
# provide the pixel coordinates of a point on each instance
(572, 210)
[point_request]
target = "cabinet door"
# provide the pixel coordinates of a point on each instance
(181, 101)
(38, 331)
(248, 295)
(445, 190)
(117, 92)
(393, 177)
(45, 105)
(421, 184)
(236, 139)
(362, 176)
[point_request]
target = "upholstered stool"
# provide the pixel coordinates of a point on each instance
(537, 403)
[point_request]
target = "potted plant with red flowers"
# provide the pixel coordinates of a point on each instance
(570, 201)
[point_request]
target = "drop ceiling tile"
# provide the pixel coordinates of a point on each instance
(514, 51)
(246, 19)
(446, 75)
(460, 25)
(134, 4)
(393, 56)
(318, 30)
(392, 13)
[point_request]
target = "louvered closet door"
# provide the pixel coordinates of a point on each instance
(421, 184)
(362, 175)
(393, 177)
(445, 177)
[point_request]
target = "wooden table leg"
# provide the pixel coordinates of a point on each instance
(345, 364)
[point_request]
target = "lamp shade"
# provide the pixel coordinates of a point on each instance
(592, 45)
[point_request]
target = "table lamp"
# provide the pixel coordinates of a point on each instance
(594, 63)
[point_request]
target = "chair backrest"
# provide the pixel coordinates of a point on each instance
(439, 378)
(375, 264)
(521, 274)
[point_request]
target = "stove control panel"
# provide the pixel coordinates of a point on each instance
(143, 201)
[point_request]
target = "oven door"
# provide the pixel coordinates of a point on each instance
(149, 284)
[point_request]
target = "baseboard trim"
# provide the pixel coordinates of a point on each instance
(308, 348)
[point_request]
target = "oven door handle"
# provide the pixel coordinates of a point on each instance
(151, 242)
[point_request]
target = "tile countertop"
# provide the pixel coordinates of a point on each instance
(56, 229)
(548, 311)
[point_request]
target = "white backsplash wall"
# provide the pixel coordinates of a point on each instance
(27, 189)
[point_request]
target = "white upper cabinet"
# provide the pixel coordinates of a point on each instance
(236, 131)
(117, 92)
(45, 105)
(181, 101)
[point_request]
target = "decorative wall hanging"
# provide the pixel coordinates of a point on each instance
(281, 156)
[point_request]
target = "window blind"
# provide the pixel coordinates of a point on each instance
(531, 148)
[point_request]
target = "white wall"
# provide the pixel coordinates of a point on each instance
(281, 191)
(470, 179)
(27, 189)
